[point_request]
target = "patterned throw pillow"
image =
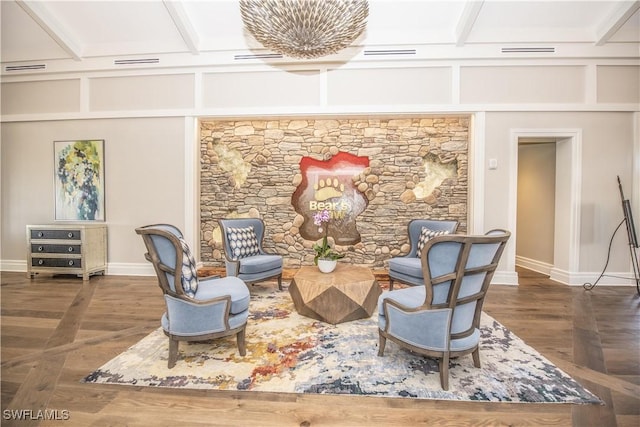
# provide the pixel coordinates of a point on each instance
(427, 234)
(243, 242)
(189, 278)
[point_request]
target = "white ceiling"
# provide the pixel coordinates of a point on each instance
(201, 31)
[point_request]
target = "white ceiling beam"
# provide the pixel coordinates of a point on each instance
(611, 24)
(183, 24)
(47, 21)
(467, 20)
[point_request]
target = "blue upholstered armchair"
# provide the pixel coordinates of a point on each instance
(197, 309)
(441, 319)
(407, 269)
(244, 256)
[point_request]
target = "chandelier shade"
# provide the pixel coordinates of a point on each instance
(305, 29)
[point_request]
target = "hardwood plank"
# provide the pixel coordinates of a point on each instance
(588, 352)
(47, 348)
(34, 392)
(138, 331)
(41, 380)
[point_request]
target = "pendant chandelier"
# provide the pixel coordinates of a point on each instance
(305, 29)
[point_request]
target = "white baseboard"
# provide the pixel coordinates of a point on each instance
(579, 279)
(13, 265)
(534, 265)
(500, 277)
(113, 269)
(575, 278)
(130, 269)
(505, 278)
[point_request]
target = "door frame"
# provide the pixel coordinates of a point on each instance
(564, 240)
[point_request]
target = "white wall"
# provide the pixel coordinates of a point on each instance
(144, 181)
(607, 151)
(151, 140)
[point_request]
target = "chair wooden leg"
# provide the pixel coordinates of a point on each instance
(476, 357)
(280, 282)
(242, 348)
(382, 344)
(390, 284)
(444, 371)
(173, 352)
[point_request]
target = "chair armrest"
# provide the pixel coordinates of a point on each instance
(393, 303)
(186, 316)
(426, 329)
(236, 266)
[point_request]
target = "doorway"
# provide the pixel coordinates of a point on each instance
(551, 158)
(536, 204)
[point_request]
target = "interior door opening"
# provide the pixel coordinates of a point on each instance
(535, 222)
(546, 215)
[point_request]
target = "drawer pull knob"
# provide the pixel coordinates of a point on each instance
(40, 234)
(70, 262)
(40, 262)
(70, 234)
(40, 248)
(70, 248)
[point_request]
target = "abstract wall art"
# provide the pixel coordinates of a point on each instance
(79, 180)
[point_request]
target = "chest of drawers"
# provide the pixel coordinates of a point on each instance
(67, 249)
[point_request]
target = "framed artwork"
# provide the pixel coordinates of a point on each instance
(79, 180)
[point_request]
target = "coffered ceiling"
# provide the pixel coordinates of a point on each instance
(189, 32)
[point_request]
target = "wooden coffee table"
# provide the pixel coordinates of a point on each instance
(348, 293)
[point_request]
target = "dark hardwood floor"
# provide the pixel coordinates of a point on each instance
(56, 330)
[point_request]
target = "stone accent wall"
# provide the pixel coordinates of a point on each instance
(418, 168)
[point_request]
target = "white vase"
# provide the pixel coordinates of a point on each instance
(327, 265)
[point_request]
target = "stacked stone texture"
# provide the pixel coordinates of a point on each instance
(250, 168)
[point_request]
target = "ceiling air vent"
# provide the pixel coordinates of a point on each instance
(10, 68)
(386, 52)
(258, 56)
(136, 61)
(528, 50)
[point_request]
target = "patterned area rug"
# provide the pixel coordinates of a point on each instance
(290, 353)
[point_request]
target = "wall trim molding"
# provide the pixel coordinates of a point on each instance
(477, 141)
(192, 184)
(13, 265)
(534, 265)
(320, 111)
(635, 182)
(146, 269)
(504, 277)
(113, 269)
(578, 279)
(427, 55)
(130, 269)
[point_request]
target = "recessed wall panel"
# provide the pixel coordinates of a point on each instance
(258, 89)
(156, 92)
(144, 173)
(52, 96)
(384, 86)
(619, 84)
(522, 85)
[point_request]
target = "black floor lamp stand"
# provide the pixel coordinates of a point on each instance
(633, 246)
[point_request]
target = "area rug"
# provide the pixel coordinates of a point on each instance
(290, 353)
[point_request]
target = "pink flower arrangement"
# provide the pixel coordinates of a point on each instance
(324, 251)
